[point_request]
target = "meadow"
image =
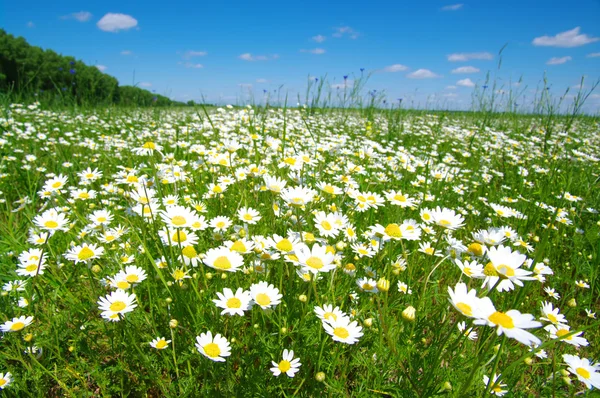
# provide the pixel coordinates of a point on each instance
(306, 251)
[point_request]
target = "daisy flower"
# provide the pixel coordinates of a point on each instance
(505, 265)
(343, 330)
(274, 184)
(100, 217)
(52, 221)
(288, 365)
(84, 253)
(242, 246)
(178, 236)
(215, 348)
(494, 386)
(298, 196)
(447, 218)
(220, 223)
(512, 323)
(329, 314)
(159, 343)
(559, 331)
(367, 285)
(116, 303)
(586, 373)
(265, 295)
(233, 304)
(466, 302)
(315, 260)
(283, 244)
(223, 259)
(5, 380)
(249, 215)
(178, 216)
(470, 269)
(469, 333)
(17, 324)
(552, 315)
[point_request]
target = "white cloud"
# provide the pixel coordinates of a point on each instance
(465, 69)
(450, 95)
(250, 57)
(317, 51)
(101, 68)
(346, 31)
(452, 7)
(395, 68)
(192, 65)
(261, 80)
(461, 57)
(116, 22)
(346, 83)
(81, 16)
(465, 83)
(319, 38)
(245, 85)
(570, 38)
(126, 52)
(558, 60)
(191, 53)
(593, 55)
(422, 74)
(145, 84)
(30, 24)
(450, 87)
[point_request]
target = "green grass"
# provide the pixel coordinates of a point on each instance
(492, 158)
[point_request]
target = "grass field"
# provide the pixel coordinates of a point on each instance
(189, 252)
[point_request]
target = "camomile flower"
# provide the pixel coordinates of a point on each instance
(88, 175)
(328, 314)
(466, 302)
(552, 293)
(17, 324)
(582, 284)
(559, 331)
(223, 259)
(220, 223)
(84, 253)
(133, 275)
(469, 333)
(586, 372)
(326, 224)
(470, 269)
(552, 315)
(242, 246)
(215, 349)
(315, 260)
(265, 295)
(116, 303)
(55, 184)
(447, 218)
(367, 285)
(160, 343)
(343, 330)
(5, 380)
(285, 245)
(178, 216)
(178, 237)
(101, 217)
(249, 215)
(38, 239)
(329, 188)
(512, 323)
(505, 265)
(297, 196)
(403, 288)
(52, 221)
(397, 198)
(233, 304)
(362, 250)
(274, 184)
(288, 365)
(495, 387)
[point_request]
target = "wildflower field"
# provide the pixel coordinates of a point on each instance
(302, 251)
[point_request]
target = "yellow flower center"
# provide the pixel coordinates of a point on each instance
(490, 270)
(234, 302)
(51, 224)
(284, 245)
(161, 344)
(505, 270)
(284, 366)
(17, 326)
(330, 315)
(444, 223)
(222, 262)
(149, 145)
(238, 246)
(465, 309)
(501, 319)
(400, 198)
(314, 262)
(132, 278)
(329, 189)
(2, 382)
(247, 217)
(132, 179)
(178, 220)
(31, 267)
(189, 252)
(57, 184)
(326, 225)
(85, 253)
(263, 299)
(117, 306)
(393, 230)
(562, 332)
(475, 248)
(340, 332)
(178, 274)
(583, 373)
(212, 350)
(179, 236)
(123, 285)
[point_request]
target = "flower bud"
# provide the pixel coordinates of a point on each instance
(302, 298)
(572, 303)
(284, 330)
(209, 275)
(368, 322)
(96, 268)
(169, 300)
(223, 276)
(320, 377)
(528, 360)
(28, 337)
(447, 386)
(173, 323)
(409, 313)
(383, 285)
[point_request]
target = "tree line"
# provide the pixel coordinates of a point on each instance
(30, 73)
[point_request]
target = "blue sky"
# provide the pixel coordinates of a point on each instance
(226, 50)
